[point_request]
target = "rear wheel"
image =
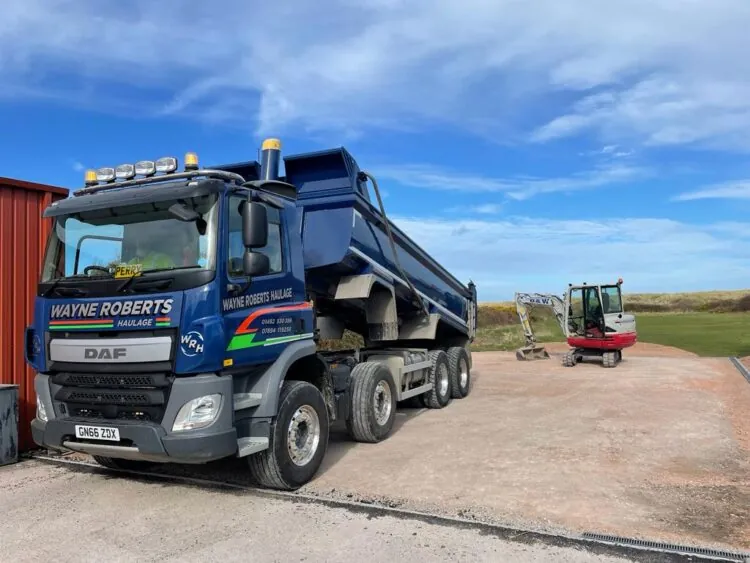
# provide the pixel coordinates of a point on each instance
(439, 376)
(298, 440)
(460, 373)
(372, 402)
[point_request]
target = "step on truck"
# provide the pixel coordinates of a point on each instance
(181, 316)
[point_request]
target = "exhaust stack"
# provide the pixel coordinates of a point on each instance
(269, 159)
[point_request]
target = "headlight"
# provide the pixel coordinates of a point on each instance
(41, 412)
(198, 413)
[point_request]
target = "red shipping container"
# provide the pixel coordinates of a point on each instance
(23, 237)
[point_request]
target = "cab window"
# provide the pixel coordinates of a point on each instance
(612, 299)
(236, 249)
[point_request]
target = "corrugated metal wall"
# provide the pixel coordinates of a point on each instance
(23, 235)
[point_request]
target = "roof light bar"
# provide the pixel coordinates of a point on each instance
(105, 174)
(145, 168)
(125, 171)
(166, 164)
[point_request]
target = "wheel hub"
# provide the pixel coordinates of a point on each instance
(443, 380)
(464, 375)
(303, 435)
(382, 402)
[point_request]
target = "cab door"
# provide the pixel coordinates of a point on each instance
(614, 316)
(261, 318)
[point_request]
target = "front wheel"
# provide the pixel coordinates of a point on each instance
(298, 440)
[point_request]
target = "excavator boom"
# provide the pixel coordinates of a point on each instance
(531, 350)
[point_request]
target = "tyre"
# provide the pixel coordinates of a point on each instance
(460, 371)
(372, 402)
(298, 439)
(439, 376)
(126, 464)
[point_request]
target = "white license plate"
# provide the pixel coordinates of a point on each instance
(98, 433)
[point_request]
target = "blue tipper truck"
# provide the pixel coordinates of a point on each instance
(179, 315)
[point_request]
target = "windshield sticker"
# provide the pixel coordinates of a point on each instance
(128, 270)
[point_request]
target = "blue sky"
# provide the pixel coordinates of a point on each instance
(525, 145)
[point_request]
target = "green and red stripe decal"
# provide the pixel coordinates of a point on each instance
(244, 336)
(89, 324)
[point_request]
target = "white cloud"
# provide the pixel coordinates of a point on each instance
(518, 188)
(480, 209)
(78, 166)
(523, 254)
(486, 208)
(739, 189)
(647, 71)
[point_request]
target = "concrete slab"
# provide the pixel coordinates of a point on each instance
(52, 513)
(656, 448)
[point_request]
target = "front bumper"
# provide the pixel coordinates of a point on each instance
(148, 441)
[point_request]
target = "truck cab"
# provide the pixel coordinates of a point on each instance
(177, 321)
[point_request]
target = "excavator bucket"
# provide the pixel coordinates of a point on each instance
(534, 352)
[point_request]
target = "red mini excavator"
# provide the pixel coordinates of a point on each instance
(592, 318)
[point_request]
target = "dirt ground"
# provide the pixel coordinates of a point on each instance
(639, 350)
(657, 448)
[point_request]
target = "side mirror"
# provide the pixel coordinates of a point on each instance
(254, 225)
(255, 264)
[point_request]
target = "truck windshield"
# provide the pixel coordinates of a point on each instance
(158, 236)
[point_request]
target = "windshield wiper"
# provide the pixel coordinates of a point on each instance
(63, 290)
(144, 284)
(151, 271)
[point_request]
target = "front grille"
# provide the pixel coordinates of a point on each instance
(102, 397)
(113, 396)
(146, 380)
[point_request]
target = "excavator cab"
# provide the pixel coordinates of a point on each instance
(586, 311)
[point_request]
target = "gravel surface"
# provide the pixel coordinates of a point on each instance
(53, 513)
(657, 448)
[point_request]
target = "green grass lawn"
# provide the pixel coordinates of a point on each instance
(706, 334)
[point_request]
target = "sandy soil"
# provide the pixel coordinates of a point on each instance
(657, 448)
